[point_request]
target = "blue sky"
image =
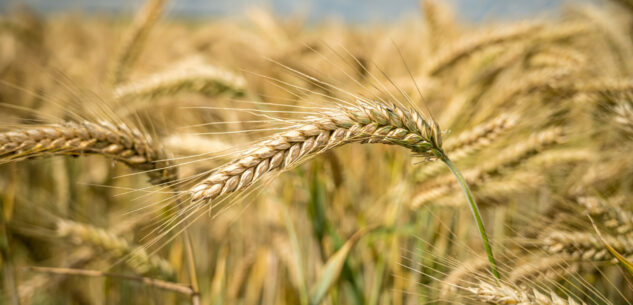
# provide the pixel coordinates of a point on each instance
(352, 11)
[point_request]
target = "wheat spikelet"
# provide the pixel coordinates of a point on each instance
(586, 246)
(543, 269)
(133, 41)
(506, 295)
(509, 157)
(364, 123)
(203, 79)
(118, 142)
(139, 260)
(465, 46)
(471, 141)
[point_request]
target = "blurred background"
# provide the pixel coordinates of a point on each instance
(351, 11)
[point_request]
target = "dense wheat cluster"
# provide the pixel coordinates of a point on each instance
(155, 160)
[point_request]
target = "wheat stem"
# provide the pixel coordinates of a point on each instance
(175, 287)
(475, 210)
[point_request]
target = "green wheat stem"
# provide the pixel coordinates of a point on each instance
(474, 209)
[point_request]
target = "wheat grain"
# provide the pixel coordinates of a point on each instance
(365, 123)
(120, 142)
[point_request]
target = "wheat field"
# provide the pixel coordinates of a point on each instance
(271, 160)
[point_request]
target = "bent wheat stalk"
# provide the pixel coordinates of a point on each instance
(120, 142)
(364, 123)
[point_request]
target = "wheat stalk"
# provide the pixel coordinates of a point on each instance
(119, 142)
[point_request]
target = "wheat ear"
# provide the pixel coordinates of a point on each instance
(623, 116)
(363, 123)
(586, 246)
(204, 79)
(506, 295)
(132, 43)
(465, 46)
(609, 214)
(119, 142)
(139, 260)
